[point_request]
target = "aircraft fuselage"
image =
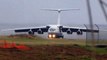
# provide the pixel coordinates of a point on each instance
(54, 32)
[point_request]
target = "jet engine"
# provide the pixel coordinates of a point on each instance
(40, 32)
(60, 27)
(47, 27)
(30, 32)
(69, 31)
(79, 32)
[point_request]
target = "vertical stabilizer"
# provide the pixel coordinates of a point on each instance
(59, 13)
(59, 18)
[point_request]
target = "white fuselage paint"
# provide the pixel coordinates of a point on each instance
(54, 29)
(54, 32)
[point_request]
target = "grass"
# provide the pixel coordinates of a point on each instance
(41, 41)
(100, 51)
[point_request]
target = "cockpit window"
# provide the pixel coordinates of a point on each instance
(52, 29)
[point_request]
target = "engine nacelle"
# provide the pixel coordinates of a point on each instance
(47, 27)
(30, 32)
(40, 32)
(60, 27)
(69, 32)
(79, 32)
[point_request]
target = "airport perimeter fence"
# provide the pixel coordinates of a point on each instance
(100, 38)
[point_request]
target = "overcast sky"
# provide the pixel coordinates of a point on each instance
(29, 11)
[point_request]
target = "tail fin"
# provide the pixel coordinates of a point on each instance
(59, 13)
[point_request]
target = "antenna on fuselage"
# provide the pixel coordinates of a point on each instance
(59, 13)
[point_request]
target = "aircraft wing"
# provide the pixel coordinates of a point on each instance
(79, 30)
(30, 30)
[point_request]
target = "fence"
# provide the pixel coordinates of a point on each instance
(100, 38)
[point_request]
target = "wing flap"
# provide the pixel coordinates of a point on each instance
(22, 30)
(71, 29)
(89, 30)
(65, 29)
(42, 29)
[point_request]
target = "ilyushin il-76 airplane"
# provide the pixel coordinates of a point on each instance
(54, 31)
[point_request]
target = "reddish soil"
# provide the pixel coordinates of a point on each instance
(48, 52)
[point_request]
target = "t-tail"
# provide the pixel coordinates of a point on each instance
(59, 13)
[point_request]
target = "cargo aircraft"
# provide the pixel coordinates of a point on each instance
(54, 31)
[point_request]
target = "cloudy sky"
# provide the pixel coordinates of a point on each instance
(29, 12)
